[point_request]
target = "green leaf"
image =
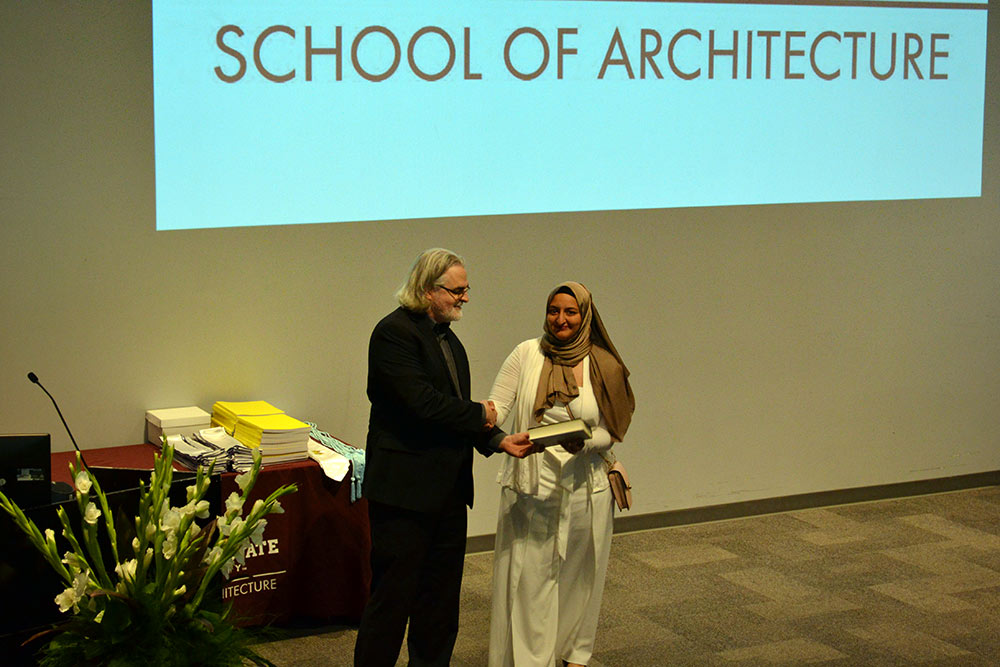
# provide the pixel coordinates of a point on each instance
(117, 617)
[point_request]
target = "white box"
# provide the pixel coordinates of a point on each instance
(174, 421)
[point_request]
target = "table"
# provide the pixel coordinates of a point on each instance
(313, 565)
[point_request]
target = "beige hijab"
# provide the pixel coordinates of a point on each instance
(608, 375)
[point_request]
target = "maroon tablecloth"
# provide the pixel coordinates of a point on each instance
(313, 565)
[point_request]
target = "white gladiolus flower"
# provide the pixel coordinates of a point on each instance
(196, 509)
(170, 545)
(276, 508)
(234, 504)
(127, 569)
(82, 481)
(150, 530)
(73, 562)
(50, 537)
(147, 557)
(192, 492)
(226, 568)
(212, 556)
(201, 509)
(135, 544)
(170, 521)
(70, 598)
(241, 552)
(257, 536)
(91, 514)
(242, 480)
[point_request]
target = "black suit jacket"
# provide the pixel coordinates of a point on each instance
(420, 433)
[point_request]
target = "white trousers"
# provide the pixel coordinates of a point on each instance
(548, 577)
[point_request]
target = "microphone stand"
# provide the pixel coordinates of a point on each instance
(34, 379)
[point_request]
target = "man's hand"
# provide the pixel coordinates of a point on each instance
(491, 414)
(518, 445)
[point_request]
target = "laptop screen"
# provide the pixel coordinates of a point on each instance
(26, 468)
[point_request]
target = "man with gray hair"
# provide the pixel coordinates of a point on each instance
(418, 466)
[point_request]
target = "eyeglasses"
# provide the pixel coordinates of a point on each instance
(457, 292)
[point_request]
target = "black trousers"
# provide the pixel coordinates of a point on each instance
(417, 561)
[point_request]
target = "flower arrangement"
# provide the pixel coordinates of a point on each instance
(142, 597)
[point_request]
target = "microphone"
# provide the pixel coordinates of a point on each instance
(34, 378)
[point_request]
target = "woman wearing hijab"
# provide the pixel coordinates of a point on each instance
(554, 525)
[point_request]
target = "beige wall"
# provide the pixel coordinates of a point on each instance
(774, 349)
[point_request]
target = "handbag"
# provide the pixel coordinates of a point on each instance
(621, 489)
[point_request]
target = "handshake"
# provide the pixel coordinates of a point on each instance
(490, 410)
(518, 445)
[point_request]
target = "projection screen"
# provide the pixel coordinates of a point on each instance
(273, 113)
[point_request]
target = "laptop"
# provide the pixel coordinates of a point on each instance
(26, 468)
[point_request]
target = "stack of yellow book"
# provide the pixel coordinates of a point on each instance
(226, 413)
(259, 425)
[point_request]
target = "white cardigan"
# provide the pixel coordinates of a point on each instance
(514, 389)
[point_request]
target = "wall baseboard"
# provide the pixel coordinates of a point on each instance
(628, 524)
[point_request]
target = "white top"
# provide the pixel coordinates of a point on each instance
(513, 394)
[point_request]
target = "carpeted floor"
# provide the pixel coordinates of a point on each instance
(913, 581)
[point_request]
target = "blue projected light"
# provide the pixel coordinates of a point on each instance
(273, 113)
